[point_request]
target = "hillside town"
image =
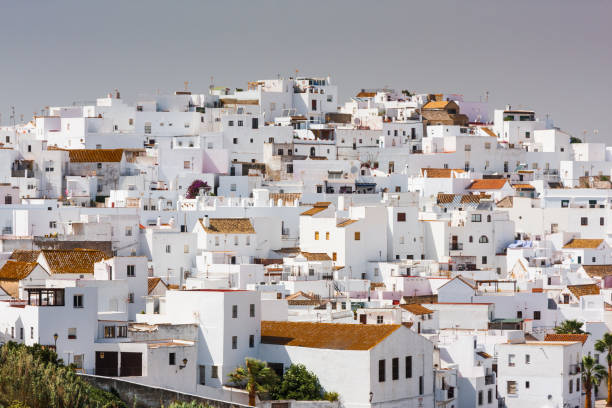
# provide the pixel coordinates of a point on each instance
(410, 249)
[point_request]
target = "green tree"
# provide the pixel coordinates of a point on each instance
(592, 374)
(255, 376)
(604, 345)
(299, 384)
(570, 327)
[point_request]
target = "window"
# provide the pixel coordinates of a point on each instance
(601, 221)
(484, 260)
(584, 221)
(202, 375)
(470, 239)
(131, 270)
(395, 368)
(236, 240)
(527, 359)
(214, 372)
(536, 315)
(511, 360)
(527, 135)
(230, 123)
(186, 164)
(77, 301)
(487, 146)
(357, 235)
(235, 140)
(72, 333)
(122, 331)
(171, 358)
(109, 332)
(527, 384)
(468, 148)
(381, 370)
(251, 340)
(147, 128)
(564, 203)
(252, 310)
(511, 387)
(8, 199)
(577, 384)
(408, 366)
(327, 236)
(480, 397)
(379, 320)
(254, 123)
(234, 311)
(476, 218)
(571, 386)
(316, 237)
(421, 385)
(232, 187)
(401, 217)
(234, 342)
(168, 249)
(21, 333)
(185, 249)
(488, 217)
(131, 297)
(32, 333)
(240, 123)
(248, 240)
(490, 396)
(52, 224)
(483, 239)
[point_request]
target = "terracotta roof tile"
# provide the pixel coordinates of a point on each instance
(488, 131)
(439, 173)
(345, 223)
(153, 282)
(16, 270)
(317, 208)
(25, 255)
(567, 337)
(95, 155)
(229, 226)
(483, 354)
(577, 243)
(364, 94)
(316, 256)
(436, 105)
(416, 309)
(523, 187)
(325, 335)
(11, 287)
(487, 184)
(583, 290)
(77, 261)
(598, 270)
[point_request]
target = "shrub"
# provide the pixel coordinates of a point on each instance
(194, 189)
(299, 384)
(330, 396)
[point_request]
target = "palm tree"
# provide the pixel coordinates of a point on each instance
(592, 374)
(570, 327)
(604, 345)
(255, 376)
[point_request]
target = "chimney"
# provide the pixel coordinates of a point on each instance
(206, 221)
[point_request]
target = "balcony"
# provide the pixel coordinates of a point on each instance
(22, 173)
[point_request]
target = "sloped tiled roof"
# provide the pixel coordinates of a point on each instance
(345, 223)
(11, 287)
(317, 208)
(483, 354)
(16, 270)
(332, 336)
(436, 105)
(95, 155)
(487, 184)
(578, 243)
(25, 255)
(567, 337)
(316, 256)
(523, 187)
(439, 173)
(153, 282)
(506, 202)
(598, 270)
(583, 290)
(299, 294)
(229, 226)
(364, 94)
(416, 309)
(77, 261)
(488, 131)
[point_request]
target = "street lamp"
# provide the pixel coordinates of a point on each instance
(184, 364)
(55, 336)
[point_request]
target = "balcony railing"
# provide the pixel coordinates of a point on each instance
(456, 247)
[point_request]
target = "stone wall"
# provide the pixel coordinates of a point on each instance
(144, 396)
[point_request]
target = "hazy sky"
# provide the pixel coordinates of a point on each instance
(552, 56)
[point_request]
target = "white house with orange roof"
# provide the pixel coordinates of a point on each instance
(587, 251)
(497, 188)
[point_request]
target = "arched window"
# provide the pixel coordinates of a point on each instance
(489, 218)
(483, 239)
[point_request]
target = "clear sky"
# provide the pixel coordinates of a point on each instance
(552, 56)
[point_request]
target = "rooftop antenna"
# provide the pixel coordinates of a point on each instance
(486, 96)
(12, 117)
